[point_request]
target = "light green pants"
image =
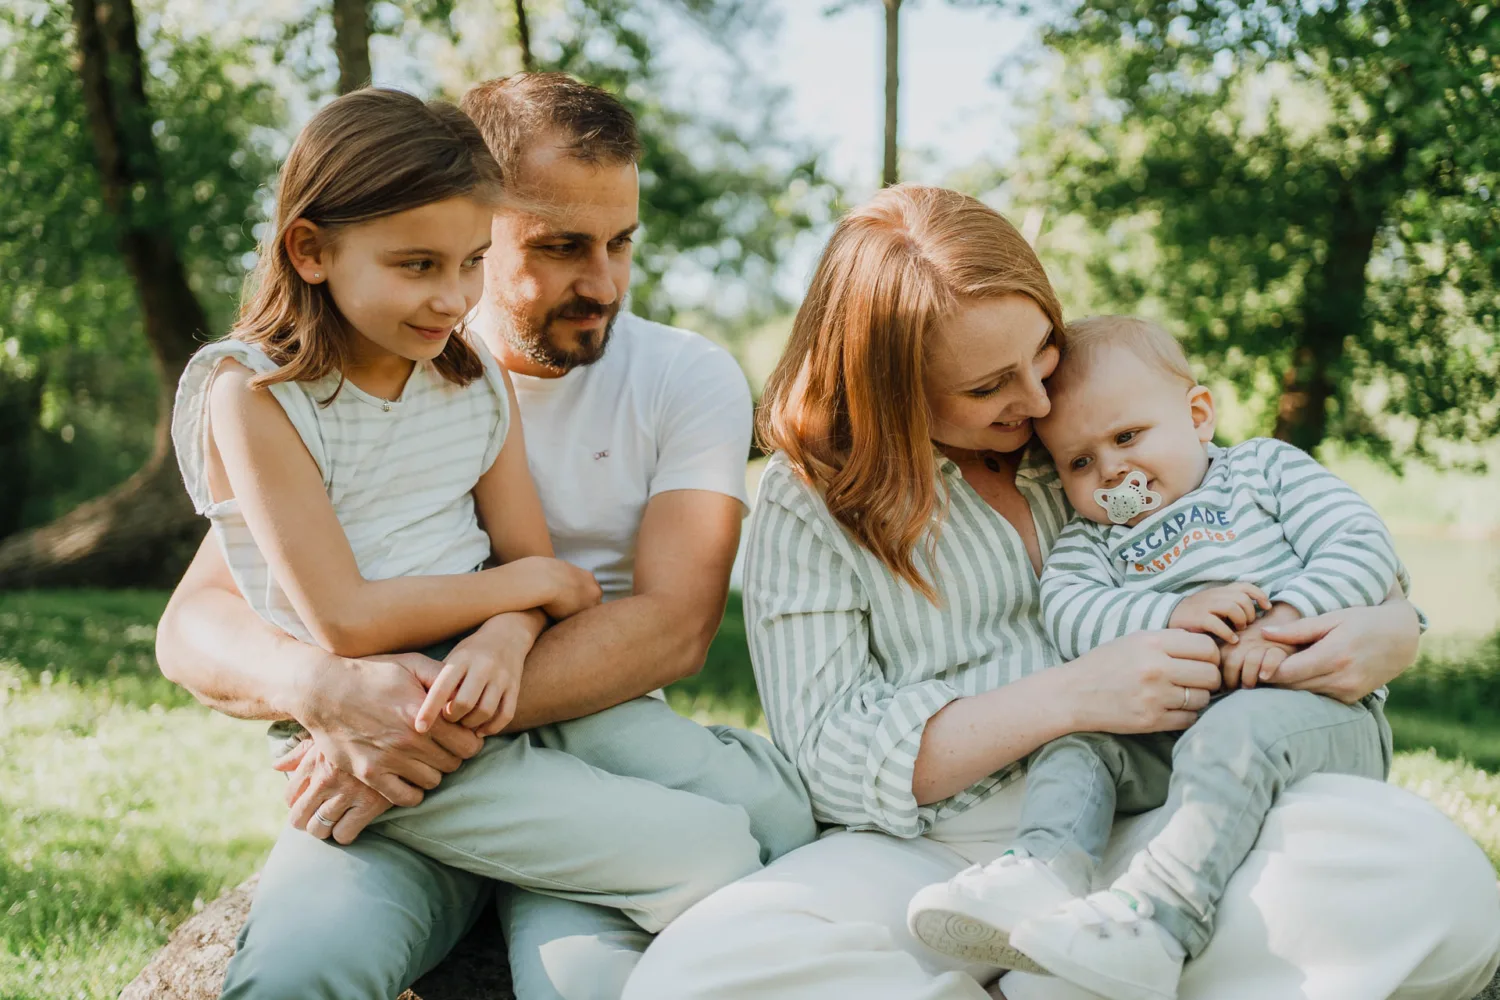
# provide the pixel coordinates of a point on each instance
(565, 810)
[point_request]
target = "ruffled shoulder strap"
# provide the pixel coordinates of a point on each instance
(190, 413)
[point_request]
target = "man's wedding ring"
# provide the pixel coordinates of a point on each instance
(324, 820)
(1186, 695)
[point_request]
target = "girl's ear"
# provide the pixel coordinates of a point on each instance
(308, 251)
(1201, 404)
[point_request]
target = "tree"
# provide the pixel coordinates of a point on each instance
(351, 33)
(523, 37)
(1318, 185)
(725, 197)
(114, 261)
(889, 173)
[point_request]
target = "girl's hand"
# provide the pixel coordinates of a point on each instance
(572, 589)
(481, 677)
(1220, 611)
(1145, 682)
(1350, 652)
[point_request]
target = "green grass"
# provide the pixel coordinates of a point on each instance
(125, 806)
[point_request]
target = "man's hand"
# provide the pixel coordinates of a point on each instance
(480, 678)
(363, 716)
(325, 801)
(1220, 611)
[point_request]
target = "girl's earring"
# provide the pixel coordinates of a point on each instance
(317, 275)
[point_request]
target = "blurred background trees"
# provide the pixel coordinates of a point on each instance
(138, 169)
(1307, 192)
(1304, 192)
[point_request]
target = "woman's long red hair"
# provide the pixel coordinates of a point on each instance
(846, 403)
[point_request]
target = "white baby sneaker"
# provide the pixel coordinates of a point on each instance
(1105, 943)
(971, 915)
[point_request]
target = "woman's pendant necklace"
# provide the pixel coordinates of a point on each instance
(991, 462)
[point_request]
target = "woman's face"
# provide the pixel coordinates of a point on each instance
(985, 368)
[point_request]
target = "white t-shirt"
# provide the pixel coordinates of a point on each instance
(663, 409)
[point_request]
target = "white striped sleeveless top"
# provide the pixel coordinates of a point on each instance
(400, 473)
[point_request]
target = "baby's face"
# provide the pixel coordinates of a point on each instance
(1123, 415)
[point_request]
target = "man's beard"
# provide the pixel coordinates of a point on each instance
(535, 343)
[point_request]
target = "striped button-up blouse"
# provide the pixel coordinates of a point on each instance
(851, 661)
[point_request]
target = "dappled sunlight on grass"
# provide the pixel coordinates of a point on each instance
(1469, 796)
(125, 806)
(118, 815)
(114, 826)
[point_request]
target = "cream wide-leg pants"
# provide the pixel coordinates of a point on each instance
(1355, 890)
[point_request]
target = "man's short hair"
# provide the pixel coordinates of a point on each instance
(1085, 339)
(514, 112)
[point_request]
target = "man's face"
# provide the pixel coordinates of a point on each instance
(559, 266)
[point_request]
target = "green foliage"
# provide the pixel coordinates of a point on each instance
(305, 43)
(76, 370)
(723, 197)
(1309, 190)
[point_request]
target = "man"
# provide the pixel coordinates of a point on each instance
(637, 435)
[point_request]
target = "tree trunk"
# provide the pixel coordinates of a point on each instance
(523, 37)
(889, 173)
(20, 410)
(139, 533)
(192, 965)
(351, 38)
(1333, 305)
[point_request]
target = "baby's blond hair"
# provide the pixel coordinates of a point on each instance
(1084, 341)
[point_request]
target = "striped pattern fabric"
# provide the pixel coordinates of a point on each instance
(851, 662)
(400, 473)
(1266, 514)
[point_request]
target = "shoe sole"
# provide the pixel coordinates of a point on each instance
(1053, 963)
(955, 933)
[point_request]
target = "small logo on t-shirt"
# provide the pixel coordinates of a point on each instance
(601, 454)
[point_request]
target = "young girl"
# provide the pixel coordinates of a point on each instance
(360, 463)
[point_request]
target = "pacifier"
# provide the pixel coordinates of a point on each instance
(1129, 499)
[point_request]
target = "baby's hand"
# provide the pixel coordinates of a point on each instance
(1220, 611)
(1251, 661)
(1254, 659)
(478, 684)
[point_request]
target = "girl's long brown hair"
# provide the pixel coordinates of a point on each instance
(846, 403)
(368, 154)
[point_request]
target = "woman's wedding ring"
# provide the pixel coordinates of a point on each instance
(1186, 695)
(324, 820)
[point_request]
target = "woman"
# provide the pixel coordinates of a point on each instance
(891, 594)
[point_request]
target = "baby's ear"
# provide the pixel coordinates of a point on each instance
(1205, 419)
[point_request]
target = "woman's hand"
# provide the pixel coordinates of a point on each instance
(1146, 682)
(1350, 652)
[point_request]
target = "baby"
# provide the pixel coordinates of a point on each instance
(1172, 532)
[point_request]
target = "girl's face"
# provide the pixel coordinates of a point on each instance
(985, 369)
(405, 281)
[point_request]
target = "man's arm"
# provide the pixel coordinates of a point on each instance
(361, 711)
(210, 642)
(623, 649)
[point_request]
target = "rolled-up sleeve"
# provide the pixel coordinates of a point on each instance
(830, 705)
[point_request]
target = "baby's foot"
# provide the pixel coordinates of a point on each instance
(972, 914)
(1105, 943)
